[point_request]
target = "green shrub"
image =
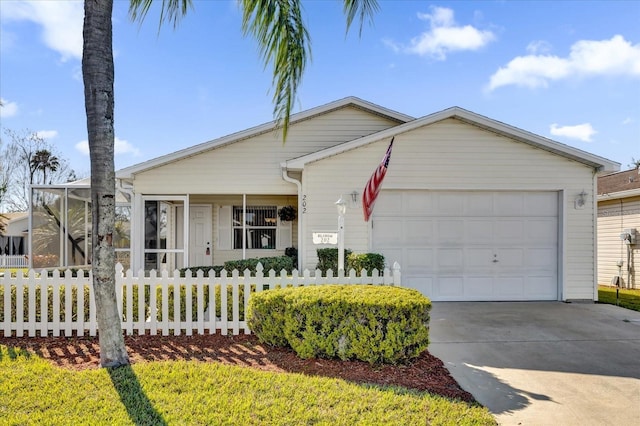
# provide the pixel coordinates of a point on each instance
(205, 269)
(328, 259)
(368, 261)
(277, 263)
(377, 324)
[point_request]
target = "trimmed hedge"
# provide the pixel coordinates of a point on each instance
(277, 263)
(377, 324)
(368, 261)
(328, 259)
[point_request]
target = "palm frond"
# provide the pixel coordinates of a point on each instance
(171, 10)
(284, 43)
(365, 9)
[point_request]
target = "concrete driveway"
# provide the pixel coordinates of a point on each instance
(543, 363)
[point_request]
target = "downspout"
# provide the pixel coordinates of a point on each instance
(298, 184)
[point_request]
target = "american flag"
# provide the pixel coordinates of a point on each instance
(372, 188)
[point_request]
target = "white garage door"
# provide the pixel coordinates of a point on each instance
(471, 245)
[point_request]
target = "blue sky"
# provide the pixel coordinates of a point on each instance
(566, 70)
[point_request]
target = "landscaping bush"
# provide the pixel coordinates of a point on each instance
(194, 270)
(277, 263)
(328, 259)
(377, 324)
(368, 261)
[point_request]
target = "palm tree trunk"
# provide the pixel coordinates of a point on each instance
(98, 75)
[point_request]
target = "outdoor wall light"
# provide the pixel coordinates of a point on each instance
(581, 200)
(354, 197)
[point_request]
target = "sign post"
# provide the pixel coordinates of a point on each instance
(341, 205)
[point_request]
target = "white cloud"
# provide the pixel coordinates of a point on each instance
(121, 146)
(538, 46)
(582, 132)
(444, 36)
(587, 58)
(47, 134)
(628, 120)
(61, 23)
(8, 109)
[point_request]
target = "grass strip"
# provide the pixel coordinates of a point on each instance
(626, 298)
(33, 391)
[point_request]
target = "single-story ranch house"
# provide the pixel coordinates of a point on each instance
(471, 208)
(619, 228)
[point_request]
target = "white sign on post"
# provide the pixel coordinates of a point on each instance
(325, 238)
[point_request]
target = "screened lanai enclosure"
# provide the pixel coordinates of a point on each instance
(60, 224)
(158, 232)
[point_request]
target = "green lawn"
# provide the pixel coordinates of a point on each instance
(629, 299)
(33, 391)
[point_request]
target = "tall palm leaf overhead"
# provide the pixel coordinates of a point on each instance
(277, 26)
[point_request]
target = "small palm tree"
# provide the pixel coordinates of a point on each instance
(44, 160)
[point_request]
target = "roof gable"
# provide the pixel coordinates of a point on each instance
(369, 107)
(599, 163)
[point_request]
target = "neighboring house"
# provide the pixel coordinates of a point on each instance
(471, 208)
(13, 241)
(619, 216)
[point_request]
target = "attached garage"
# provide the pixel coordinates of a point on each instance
(472, 245)
(472, 209)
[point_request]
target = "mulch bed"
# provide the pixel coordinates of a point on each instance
(425, 373)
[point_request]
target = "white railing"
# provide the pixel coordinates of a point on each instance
(37, 304)
(14, 261)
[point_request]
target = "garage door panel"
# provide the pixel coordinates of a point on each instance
(420, 204)
(508, 204)
(543, 230)
(510, 257)
(451, 287)
(449, 258)
(449, 204)
(419, 259)
(541, 287)
(478, 231)
(418, 232)
(389, 205)
(509, 229)
(450, 232)
(478, 204)
(422, 283)
(479, 287)
(542, 258)
(473, 245)
(541, 204)
(478, 258)
(388, 233)
(510, 287)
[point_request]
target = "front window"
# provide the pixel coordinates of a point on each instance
(259, 230)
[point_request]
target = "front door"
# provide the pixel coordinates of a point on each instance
(200, 234)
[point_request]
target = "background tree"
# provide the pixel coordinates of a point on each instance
(278, 27)
(28, 159)
(44, 160)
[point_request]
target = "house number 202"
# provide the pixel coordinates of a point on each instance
(304, 203)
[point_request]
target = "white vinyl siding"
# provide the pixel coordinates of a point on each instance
(448, 156)
(253, 165)
(614, 216)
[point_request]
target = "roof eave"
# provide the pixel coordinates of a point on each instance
(598, 163)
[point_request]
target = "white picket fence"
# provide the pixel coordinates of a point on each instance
(62, 304)
(13, 261)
